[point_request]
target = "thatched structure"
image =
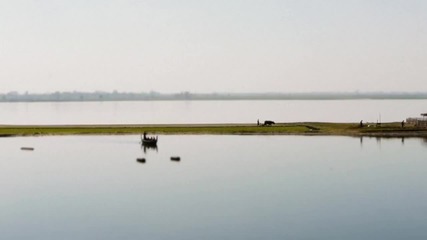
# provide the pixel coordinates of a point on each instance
(419, 122)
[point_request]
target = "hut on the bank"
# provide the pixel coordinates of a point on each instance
(418, 122)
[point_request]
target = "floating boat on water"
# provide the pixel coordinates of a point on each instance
(141, 160)
(148, 141)
(175, 158)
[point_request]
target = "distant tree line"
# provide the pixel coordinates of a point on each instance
(156, 96)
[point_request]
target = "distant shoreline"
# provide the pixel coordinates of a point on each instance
(386, 130)
(188, 96)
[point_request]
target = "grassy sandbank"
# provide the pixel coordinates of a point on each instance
(393, 129)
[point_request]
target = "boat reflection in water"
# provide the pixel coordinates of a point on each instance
(149, 148)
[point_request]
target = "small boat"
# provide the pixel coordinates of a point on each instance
(175, 158)
(141, 160)
(27, 149)
(148, 141)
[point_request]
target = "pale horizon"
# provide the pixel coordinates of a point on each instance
(213, 92)
(213, 46)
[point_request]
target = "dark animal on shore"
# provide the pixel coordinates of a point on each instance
(268, 123)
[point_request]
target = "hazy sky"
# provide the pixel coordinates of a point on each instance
(213, 45)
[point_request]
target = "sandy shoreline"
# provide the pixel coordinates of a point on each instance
(390, 130)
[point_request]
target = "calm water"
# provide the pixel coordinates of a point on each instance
(224, 187)
(209, 111)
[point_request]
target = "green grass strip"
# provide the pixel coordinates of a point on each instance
(301, 128)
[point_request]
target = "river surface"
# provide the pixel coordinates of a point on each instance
(224, 187)
(166, 112)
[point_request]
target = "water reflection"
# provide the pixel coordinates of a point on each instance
(380, 141)
(149, 148)
(377, 139)
(363, 194)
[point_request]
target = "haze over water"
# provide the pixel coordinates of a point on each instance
(170, 112)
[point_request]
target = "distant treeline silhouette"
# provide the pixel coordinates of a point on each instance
(154, 96)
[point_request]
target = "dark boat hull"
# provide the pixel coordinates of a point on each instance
(149, 142)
